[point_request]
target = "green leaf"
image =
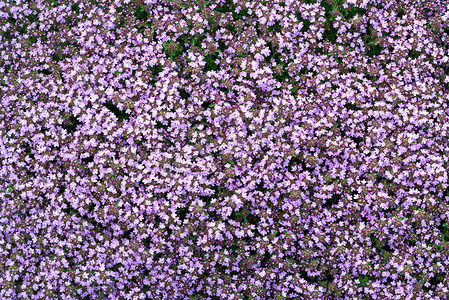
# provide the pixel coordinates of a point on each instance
(363, 280)
(10, 189)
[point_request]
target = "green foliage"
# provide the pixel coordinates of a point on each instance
(330, 33)
(121, 115)
(373, 50)
(160, 125)
(140, 14)
(306, 22)
(228, 6)
(435, 280)
(210, 61)
(241, 15)
(54, 3)
(70, 124)
(443, 228)
(75, 7)
(283, 76)
(401, 12)
(32, 18)
(207, 104)
(413, 54)
(364, 279)
(155, 70)
(183, 93)
(57, 58)
(196, 41)
(351, 106)
(333, 201)
(276, 27)
(333, 8)
(10, 189)
(351, 12)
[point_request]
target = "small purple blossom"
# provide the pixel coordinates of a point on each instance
(225, 150)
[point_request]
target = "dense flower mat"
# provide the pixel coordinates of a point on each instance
(224, 149)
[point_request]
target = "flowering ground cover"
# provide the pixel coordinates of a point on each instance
(168, 149)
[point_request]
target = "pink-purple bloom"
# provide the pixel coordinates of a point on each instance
(224, 149)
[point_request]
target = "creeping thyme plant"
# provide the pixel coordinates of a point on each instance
(191, 149)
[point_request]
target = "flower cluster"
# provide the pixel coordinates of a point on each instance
(224, 149)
